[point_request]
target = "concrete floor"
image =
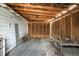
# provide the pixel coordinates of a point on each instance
(71, 51)
(42, 47)
(1, 52)
(1, 48)
(34, 48)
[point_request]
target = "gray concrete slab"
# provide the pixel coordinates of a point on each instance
(71, 51)
(1, 52)
(1, 48)
(34, 48)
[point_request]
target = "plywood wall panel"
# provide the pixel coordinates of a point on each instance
(75, 24)
(39, 30)
(67, 27)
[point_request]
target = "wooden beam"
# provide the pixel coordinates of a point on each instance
(37, 17)
(37, 14)
(28, 5)
(37, 21)
(41, 18)
(36, 11)
(55, 10)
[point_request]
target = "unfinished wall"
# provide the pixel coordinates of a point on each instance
(7, 27)
(75, 26)
(67, 28)
(39, 30)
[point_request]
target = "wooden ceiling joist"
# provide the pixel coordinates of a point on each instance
(55, 10)
(37, 17)
(36, 14)
(32, 10)
(36, 6)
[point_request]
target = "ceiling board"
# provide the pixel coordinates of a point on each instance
(38, 11)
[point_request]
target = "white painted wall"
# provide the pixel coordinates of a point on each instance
(7, 27)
